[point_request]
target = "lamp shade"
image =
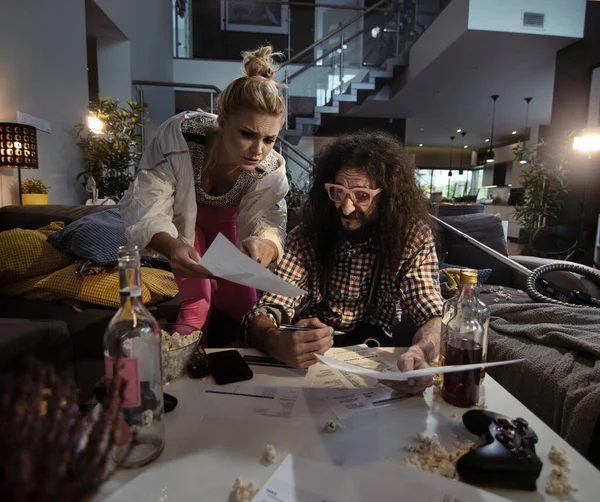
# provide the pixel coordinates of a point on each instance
(18, 146)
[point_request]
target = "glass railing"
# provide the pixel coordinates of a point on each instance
(354, 48)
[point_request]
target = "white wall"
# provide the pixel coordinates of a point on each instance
(564, 18)
(114, 69)
(147, 25)
(43, 73)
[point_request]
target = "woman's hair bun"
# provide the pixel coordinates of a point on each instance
(259, 63)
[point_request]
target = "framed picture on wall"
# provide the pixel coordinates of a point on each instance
(256, 17)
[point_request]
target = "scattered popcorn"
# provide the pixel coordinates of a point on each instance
(431, 456)
(481, 406)
(243, 491)
(558, 456)
(174, 357)
(269, 455)
(454, 415)
(331, 426)
(559, 485)
(147, 417)
(496, 300)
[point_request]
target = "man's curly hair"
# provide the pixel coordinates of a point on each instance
(402, 204)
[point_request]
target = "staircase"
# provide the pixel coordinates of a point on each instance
(406, 21)
(356, 93)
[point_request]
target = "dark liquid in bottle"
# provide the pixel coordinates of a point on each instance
(462, 388)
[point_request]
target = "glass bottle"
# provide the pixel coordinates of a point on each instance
(133, 337)
(467, 344)
(448, 312)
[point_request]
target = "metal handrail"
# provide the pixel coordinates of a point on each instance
(297, 152)
(208, 87)
(333, 33)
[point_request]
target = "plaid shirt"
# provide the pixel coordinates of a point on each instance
(413, 289)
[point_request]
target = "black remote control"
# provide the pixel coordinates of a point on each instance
(507, 459)
(198, 366)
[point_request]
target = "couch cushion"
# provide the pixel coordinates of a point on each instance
(95, 237)
(485, 228)
(37, 216)
(103, 288)
(27, 253)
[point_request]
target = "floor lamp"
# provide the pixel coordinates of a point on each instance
(587, 141)
(18, 148)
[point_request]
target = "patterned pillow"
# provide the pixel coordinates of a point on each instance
(103, 289)
(482, 275)
(27, 253)
(95, 237)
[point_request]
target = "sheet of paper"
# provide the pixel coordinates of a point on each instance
(365, 357)
(256, 400)
(299, 479)
(403, 376)
(347, 403)
(222, 259)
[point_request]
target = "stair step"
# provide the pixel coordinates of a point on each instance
(349, 98)
(308, 121)
(287, 133)
(380, 74)
(365, 86)
(327, 109)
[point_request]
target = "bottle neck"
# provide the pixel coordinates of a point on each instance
(130, 282)
(467, 292)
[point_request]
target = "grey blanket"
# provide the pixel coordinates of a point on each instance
(561, 381)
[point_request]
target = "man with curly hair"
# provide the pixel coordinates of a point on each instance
(365, 253)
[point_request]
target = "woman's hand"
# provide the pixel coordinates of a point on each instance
(184, 259)
(263, 251)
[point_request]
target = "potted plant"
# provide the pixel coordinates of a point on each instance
(294, 200)
(34, 192)
(111, 150)
(544, 185)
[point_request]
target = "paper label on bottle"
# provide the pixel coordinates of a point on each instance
(130, 373)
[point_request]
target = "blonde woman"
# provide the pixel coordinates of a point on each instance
(204, 174)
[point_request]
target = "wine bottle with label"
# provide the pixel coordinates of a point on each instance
(132, 340)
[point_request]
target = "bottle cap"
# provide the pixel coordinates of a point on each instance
(468, 276)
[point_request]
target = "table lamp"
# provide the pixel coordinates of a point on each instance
(18, 148)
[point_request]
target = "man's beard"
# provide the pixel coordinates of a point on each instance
(362, 233)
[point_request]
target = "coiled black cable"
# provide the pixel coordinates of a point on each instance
(536, 296)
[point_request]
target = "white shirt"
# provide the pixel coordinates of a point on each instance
(162, 196)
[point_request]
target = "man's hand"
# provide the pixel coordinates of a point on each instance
(412, 359)
(184, 259)
(298, 348)
(263, 251)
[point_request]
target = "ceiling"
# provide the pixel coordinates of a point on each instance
(454, 90)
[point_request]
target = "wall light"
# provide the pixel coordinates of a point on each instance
(588, 140)
(420, 144)
(514, 132)
(487, 140)
(459, 130)
(95, 125)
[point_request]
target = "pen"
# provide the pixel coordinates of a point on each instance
(287, 327)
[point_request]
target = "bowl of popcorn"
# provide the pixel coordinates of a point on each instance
(178, 344)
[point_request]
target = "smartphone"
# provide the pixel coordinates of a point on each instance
(228, 366)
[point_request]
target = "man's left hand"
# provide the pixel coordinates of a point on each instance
(263, 251)
(412, 359)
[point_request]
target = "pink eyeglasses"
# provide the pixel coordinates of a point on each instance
(359, 196)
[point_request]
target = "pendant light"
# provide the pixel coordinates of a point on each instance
(527, 100)
(451, 152)
(460, 171)
(489, 155)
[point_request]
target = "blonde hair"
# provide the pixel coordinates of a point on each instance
(256, 89)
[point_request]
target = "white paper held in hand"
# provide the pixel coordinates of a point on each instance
(402, 376)
(222, 259)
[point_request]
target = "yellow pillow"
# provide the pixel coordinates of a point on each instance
(103, 288)
(27, 253)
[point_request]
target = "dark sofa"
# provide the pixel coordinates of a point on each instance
(85, 329)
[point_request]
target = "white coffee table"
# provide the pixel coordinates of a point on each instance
(206, 450)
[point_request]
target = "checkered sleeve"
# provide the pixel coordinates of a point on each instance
(419, 283)
(294, 268)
